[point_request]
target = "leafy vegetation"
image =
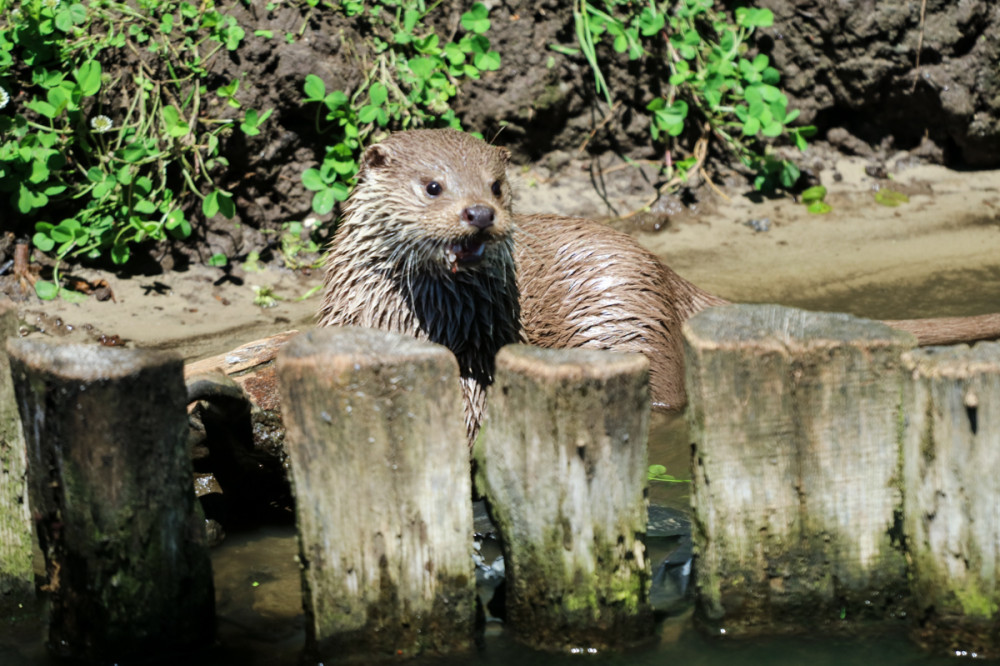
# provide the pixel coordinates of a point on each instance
(716, 89)
(814, 199)
(118, 159)
(410, 82)
(659, 473)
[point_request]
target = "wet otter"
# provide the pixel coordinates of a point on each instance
(429, 246)
(426, 248)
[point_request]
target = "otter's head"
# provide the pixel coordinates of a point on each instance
(441, 194)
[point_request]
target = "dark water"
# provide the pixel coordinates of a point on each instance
(260, 621)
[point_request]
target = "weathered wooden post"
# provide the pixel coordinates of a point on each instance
(380, 470)
(795, 419)
(110, 486)
(951, 474)
(17, 578)
(562, 461)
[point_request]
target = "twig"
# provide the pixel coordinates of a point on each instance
(607, 118)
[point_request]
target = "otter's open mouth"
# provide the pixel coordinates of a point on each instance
(468, 251)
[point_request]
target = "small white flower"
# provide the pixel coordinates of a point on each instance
(4, 98)
(101, 124)
(50, 4)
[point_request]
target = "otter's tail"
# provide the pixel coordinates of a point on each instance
(950, 330)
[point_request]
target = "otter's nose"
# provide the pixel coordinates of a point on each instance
(480, 216)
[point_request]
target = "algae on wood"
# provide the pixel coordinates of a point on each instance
(795, 423)
(110, 484)
(380, 471)
(17, 578)
(951, 463)
(562, 462)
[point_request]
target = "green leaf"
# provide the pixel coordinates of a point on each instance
(172, 120)
(476, 19)
(218, 260)
(312, 180)
(222, 202)
(210, 204)
(789, 174)
(650, 22)
(772, 129)
(28, 200)
(487, 62)
(378, 94)
(43, 242)
(46, 291)
(814, 193)
(144, 206)
(133, 152)
(120, 253)
(177, 224)
(88, 76)
(819, 207)
(314, 88)
(891, 198)
(324, 201)
(751, 127)
(42, 108)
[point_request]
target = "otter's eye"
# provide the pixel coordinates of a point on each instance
(434, 188)
(497, 188)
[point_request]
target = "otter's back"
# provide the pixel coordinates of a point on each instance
(584, 284)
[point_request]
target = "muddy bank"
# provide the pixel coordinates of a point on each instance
(937, 255)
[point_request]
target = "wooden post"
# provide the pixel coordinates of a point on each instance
(380, 469)
(562, 462)
(795, 422)
(951, 471)
(111, 487)
(17, 578)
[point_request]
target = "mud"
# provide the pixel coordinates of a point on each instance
(937, 255)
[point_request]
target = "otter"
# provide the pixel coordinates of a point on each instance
(429, 246)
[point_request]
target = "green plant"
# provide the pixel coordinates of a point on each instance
(814, 197)
(889, 197)
(298, 241)
(715, 88)
(659, 473)
(411, 81)
(121, 164)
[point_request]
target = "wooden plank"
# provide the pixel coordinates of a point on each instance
(17, 578)
(951, 454)
(795, 423)
(109, 476)
(380, 469)
(562, 462)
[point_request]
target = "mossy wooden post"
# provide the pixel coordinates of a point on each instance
(111, 488)
(17, 578)
(562, 461)
(380, 470)
(951, 463)
(795, 422)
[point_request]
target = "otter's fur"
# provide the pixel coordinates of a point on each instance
(549, 280)
(407, 261)
(429, 246)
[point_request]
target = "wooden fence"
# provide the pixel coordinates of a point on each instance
(840, 476)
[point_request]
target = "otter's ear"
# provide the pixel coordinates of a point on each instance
(375, 157)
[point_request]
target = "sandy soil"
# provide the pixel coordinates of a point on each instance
(937, 255)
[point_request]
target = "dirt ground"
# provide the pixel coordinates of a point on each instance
(938, 254)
